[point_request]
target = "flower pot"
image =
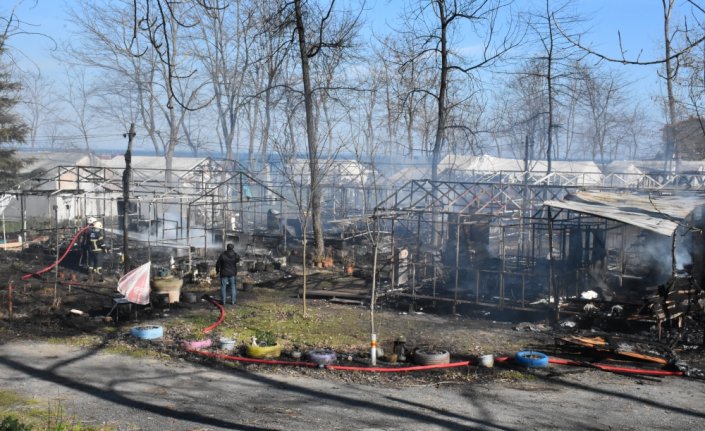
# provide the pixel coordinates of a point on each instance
(170, 285)
(197, 344)
(255, 351)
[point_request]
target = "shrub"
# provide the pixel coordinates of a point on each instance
(265, 338)
(10, 423)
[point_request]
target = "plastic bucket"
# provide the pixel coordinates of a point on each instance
(227, 344)
(487, 361)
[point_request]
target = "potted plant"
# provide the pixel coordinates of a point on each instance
(264, 345)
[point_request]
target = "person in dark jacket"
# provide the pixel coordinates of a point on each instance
(226, 267)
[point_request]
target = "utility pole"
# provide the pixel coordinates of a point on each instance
(126, 175)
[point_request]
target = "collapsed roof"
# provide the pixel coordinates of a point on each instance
(659, 213)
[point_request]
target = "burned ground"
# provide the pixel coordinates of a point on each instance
(62, 304)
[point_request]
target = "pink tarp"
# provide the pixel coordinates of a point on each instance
(135, 284)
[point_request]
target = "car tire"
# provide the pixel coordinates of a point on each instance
(529, 358)
(147, 332)
(262, 352)
(431, 357)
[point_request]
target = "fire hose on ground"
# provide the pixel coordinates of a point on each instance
(68, 249)
(552, 360)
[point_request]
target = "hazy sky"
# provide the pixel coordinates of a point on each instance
(639, 21)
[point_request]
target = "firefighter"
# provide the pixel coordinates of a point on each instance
(96, 249)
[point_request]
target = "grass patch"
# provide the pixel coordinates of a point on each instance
(18, 413)
(515, 376)
(10, 400)
(325, 325)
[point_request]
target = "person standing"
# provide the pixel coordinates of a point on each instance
(95, 250)
(226, 267)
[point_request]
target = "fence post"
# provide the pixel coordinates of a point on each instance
(9, 299)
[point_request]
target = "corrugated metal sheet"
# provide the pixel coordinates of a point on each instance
(676, 206)
(656, 213)
(654, 224)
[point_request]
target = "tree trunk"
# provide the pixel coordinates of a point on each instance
(315, 197)
(671, 144)
(442, 90)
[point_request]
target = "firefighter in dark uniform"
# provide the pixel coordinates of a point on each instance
(95, 249)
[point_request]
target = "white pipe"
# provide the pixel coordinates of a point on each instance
(373, 349)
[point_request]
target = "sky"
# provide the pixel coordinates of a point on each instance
(638, 21)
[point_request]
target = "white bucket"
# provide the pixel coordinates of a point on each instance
(227, 344)
(487, 361)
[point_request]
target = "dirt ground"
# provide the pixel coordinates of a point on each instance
(46, 348)
(42, 308)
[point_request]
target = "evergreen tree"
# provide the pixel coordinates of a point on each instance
(12, 129)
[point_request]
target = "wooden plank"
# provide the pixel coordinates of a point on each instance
(585, 341)
(648, 358)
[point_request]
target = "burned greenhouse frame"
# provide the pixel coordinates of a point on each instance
(486, 241)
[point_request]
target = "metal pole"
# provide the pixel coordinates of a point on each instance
(56, 268)
(552, 286)
(457, 263)
(126, 175)
(23, 218)
(149, 233)
(188, 234)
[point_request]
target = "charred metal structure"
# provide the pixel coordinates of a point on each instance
(581, 241)
(519, 240)
(188, 210)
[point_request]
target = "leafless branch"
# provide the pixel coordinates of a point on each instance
(623, 59)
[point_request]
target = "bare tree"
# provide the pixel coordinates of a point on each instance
(111, 44)
(556, 58)
(37, 92)
(432, 27)
(322, 32)
(521, 112)
(78, 99)
(671, 61)
(223, 48)
(603, 99)
(410, 113)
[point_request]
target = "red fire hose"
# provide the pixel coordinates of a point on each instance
(301, 363)
(615, 369)
(500, 359)
(68, 249)
(222, 313)
(329, 367)
(398, 369)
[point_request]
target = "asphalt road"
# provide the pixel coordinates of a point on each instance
(148, 394)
